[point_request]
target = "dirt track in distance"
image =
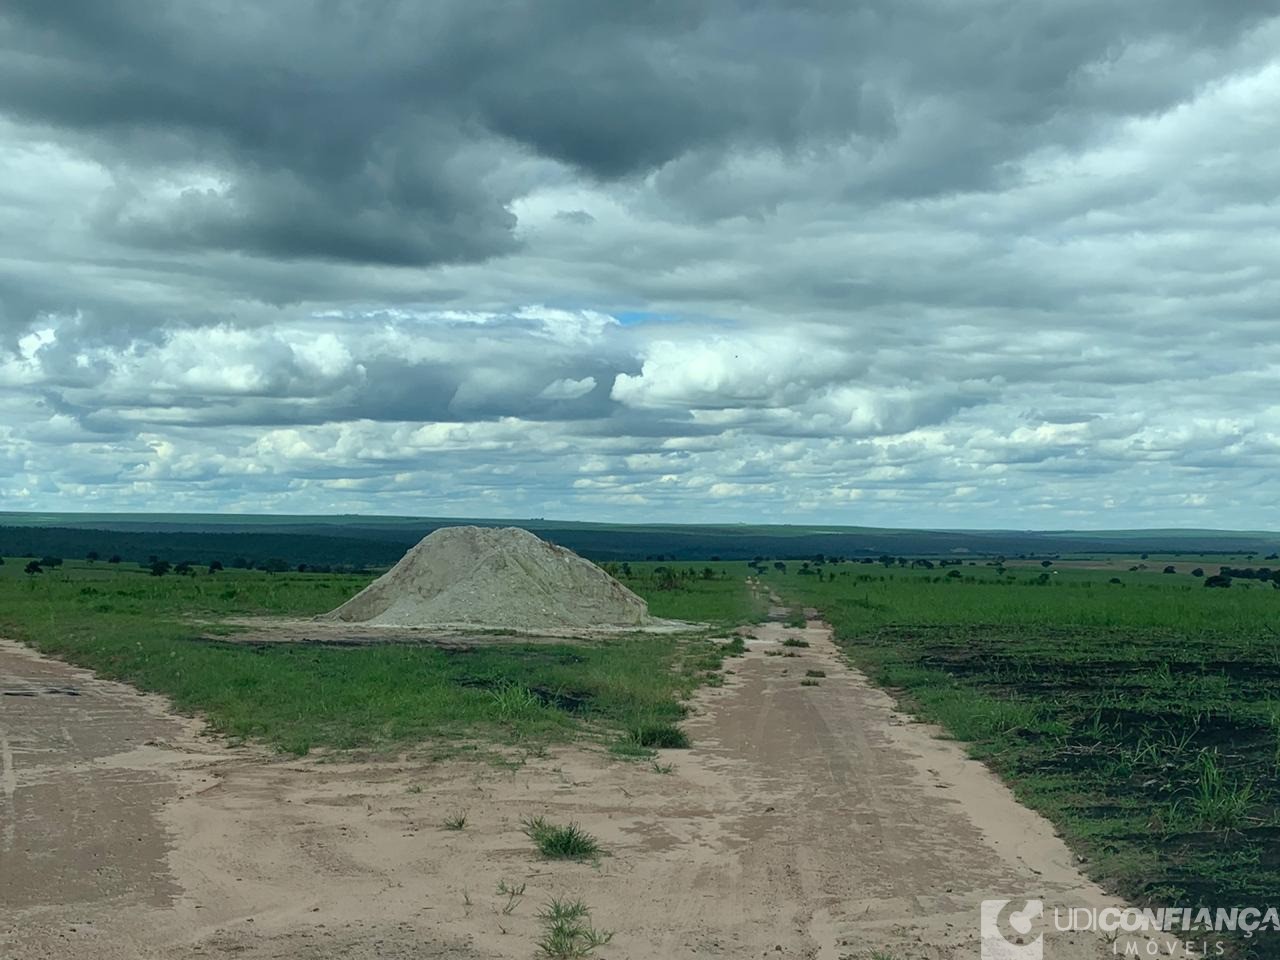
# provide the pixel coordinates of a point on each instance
(807, 821)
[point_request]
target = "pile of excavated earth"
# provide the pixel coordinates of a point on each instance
(497, 578)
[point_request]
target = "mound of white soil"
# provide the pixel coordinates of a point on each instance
(486, 577)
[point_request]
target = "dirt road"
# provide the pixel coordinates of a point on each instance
(807, 821)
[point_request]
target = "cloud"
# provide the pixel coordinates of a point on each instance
(903, 263)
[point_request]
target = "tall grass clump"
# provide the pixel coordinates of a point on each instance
(561, 842)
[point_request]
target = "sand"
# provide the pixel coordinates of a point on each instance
(493, 578)
(805, 822)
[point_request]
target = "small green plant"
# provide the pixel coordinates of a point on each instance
(514, 892)
(1215, 803)
(815, 673)
(795, 619)
(456, 821)
(568, 842)
(569, 933)
(658, 734)
(795, 642)
(663, 767)
(809, 683)
(734, 648)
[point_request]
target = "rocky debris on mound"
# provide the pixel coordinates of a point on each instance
(489, 577)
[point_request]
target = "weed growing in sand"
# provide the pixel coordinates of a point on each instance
(569, 933)
(796, 620)
(795, 642)
(734, 648)
(555, 842)
(456, 821)
(658, 734)
(809, 683)
(815, 673)
(629, 750)
(514, 892)
(663, 767)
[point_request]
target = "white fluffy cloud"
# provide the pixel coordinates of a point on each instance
(1018, 274)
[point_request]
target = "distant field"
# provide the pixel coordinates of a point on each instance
(360, 541)
(1142, 717)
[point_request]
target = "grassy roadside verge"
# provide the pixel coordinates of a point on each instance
(126, 625)
(1143, 720)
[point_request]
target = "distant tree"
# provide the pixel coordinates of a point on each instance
(91, 556)
(610, 568)
(159, 568)
(954, 575)
(1198, 572)
(183, 568)
(780, 566)
(32, 568)
(1218, 580)
(708, 573)
(1046, 563)
(50, 562)
(1115, 580)
(1170, 569)
(1145, 556)
(114, 558)
(215, 566)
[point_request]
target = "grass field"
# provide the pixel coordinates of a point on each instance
(1143, 717)
(128, 625)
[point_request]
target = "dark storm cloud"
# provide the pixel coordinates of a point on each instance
(395, 133)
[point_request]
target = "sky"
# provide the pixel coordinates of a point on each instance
(1000, 263)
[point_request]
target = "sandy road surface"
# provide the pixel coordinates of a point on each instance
(808, 821)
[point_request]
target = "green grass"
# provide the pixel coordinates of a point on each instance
(568, 931)
(128, 625)
(723, 600)
(561, 842)
(1143, 719)
(658, 734)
